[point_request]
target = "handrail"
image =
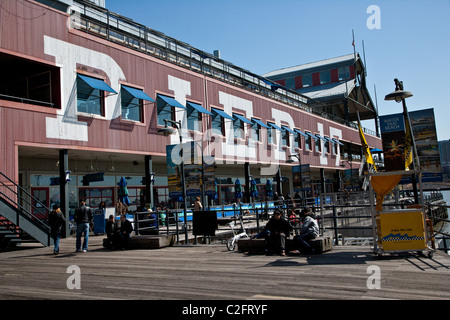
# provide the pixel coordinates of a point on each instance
(29, 199)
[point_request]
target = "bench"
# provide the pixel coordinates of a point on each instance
(320, 245)
(147, 241)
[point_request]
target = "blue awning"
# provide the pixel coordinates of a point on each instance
(320, 137)
(336, 140)
(242, 118)
(288, 129)
(96, 83)
(171, 101)
(198, 107)
(222, 114)
(273, 125)
(262, 124)
(311, 135)
(139, 94)
(328, 139)
(301, 132)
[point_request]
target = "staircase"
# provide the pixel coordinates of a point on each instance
(17, 215)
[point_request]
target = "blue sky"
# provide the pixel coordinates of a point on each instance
(412, 44)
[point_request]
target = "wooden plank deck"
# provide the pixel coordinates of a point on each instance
(212, 272)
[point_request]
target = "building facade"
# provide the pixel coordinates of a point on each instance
(86, 90)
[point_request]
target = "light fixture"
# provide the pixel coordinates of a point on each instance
(399, 94)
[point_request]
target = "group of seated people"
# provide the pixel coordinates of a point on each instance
(278, 229)
(118, 235)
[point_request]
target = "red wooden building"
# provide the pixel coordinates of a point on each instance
(86, 90)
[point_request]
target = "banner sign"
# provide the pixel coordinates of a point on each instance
(402, 230)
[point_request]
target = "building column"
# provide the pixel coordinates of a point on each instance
(247, 182)
(148, 181)
(64, 189)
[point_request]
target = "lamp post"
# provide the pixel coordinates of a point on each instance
(301, 173)
(399, 95)
(166, 131)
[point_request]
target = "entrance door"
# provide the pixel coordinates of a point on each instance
(38, 210)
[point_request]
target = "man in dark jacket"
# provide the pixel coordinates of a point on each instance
(56, 220)
(123, 235)
(277, 230)
(83, 218)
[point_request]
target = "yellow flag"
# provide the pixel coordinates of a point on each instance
(367, 154)
(408, 145)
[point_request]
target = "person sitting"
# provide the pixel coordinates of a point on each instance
(276, 232)
(110, 229)
(308, 231)
(123, 234)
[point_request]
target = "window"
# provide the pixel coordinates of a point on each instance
(325, 77)
(255, 131)
(344, 73)
(164, 111)
(238, 128)
(89, 99)
(308, 145)
(290, 83)
(217, 123)
(93, 196)
(297, 140)
(194, 119)
(307, 80)
(327, 146)
(271, 135)
(131, 106)
(285, 141)
(318, 145)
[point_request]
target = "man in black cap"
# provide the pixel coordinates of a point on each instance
(277, 230)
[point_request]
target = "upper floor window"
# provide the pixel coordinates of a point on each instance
(239, 122)
(91, 95)
(318, 145)
(344, 73)
(307, 80)
(132, 101)
(165, 108)
(194, 119)
(218, 121)
(297, 140)
(325, 77)
(255, 131)
(308, 142)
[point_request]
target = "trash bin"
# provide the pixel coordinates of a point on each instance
(204, 223)
(99, 221)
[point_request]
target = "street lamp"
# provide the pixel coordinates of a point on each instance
(301, 173)
(166, 131)
(399, 95)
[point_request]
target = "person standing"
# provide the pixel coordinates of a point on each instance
(83, 217)
(56, 220)
(198, 205)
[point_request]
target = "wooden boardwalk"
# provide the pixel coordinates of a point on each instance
(210, 272)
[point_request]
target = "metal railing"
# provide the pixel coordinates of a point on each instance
(103, 23)
(24, 204)
(346, 217)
